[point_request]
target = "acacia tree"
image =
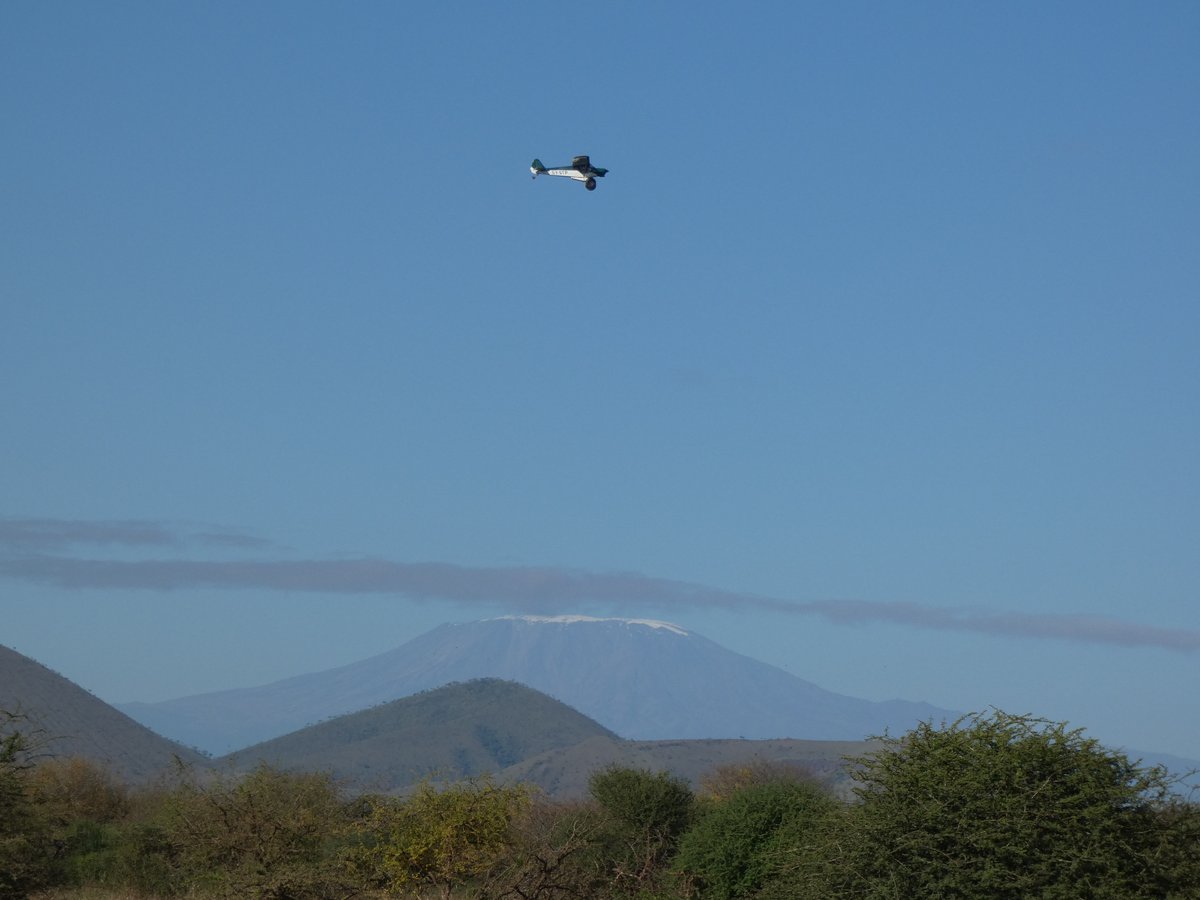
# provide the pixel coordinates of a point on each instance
(269, 834)
(645, 813)
(25, 844)
(440, 838)
(729, 852)
(554, 854)
(998, 806)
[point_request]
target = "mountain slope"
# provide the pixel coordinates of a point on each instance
(75, 723)
(643, 680)
(456, 731)
(489, 726)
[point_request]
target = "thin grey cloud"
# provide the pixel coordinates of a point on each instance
(533, 589)
(55, 535)
(555, 590)
(1079, 627)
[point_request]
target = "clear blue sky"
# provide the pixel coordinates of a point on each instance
(876, 356)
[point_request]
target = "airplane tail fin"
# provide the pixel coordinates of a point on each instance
(536, 168)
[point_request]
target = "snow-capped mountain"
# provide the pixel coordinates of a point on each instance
(641, 678)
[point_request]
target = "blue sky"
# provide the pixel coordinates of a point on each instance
(876, 356)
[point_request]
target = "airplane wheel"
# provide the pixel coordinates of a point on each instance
(590, 184)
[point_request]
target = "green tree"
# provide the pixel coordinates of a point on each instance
(996, 806)
(269, 834)
(729, 851)
(1177, 828)
(441, 838)
(26, 849)
(83, 806)
(645, 814)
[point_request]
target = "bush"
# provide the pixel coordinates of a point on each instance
(560, 851)
(997, 806)
(270, 834)
(729, 852)
(645, 813)
(439, 837)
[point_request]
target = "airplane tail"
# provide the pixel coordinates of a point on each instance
(536, 168)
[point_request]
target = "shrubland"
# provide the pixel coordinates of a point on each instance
(991, 806)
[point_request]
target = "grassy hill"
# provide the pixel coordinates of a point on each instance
(73, 722)
(455, 731)
(514, 732)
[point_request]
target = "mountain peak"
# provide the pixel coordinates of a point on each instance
(568, 620)
(642, 679)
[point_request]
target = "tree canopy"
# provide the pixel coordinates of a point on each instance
(440, 837)
(729, 851)
(998, 806)
(991, 806)
(645, 812)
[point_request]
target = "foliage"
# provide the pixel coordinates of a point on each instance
(1177, 829)
(76, 789)
(553, 854)
(80, 802)
(996, 806)
(992, 806)
(140, 856)
(728, 853)
(270, 834)
(25, 843)
(645, 813)
(724, 782)
(440, 838)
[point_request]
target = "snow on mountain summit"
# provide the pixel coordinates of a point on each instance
(643, 679)
(568, 620)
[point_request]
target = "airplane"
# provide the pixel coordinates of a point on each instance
(581, 169)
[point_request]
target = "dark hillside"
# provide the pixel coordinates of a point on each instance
(455, 731)
(76, 723)
(518, 734)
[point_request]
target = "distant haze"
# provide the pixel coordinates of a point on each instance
(643, 679)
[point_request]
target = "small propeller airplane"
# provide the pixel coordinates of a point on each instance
(581, 169)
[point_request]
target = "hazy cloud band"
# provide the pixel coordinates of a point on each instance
(552, 590)
(42, 534)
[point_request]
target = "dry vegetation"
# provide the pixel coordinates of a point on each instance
(994, 806)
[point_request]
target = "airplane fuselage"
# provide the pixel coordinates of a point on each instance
(581, 169)
(568, 173)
